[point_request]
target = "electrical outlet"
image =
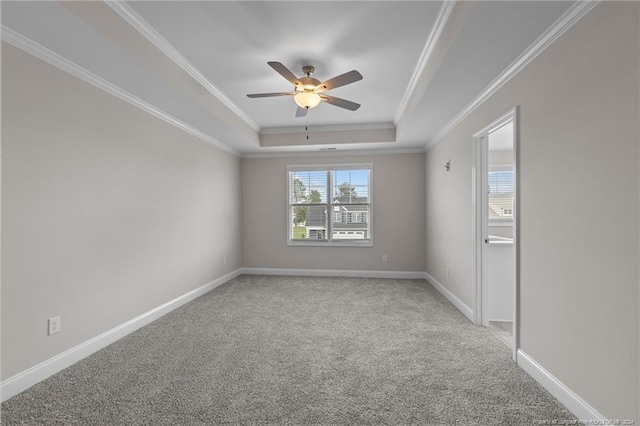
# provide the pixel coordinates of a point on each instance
(54, 325)
(384, 257)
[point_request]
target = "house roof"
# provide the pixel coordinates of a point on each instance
(316, 216)
(350, 200)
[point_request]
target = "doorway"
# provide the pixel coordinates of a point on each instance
(495, 228)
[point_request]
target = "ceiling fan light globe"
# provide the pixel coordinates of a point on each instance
(307, 100)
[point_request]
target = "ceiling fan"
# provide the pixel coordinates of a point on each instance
(308, 91)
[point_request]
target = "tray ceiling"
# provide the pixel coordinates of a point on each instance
(194, 62)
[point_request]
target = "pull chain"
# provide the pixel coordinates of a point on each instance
(306, 127)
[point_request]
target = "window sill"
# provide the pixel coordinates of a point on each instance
(500, 241)
(321, 243)
(506, 222)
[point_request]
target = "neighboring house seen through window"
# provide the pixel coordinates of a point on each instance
(501, 196)
(329, 204)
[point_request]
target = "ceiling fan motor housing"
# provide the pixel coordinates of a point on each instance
(308, 84)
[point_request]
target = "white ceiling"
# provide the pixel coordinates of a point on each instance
(194, 62)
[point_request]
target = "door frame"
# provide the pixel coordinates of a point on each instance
(479, 208)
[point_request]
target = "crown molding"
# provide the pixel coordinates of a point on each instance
(37, 50)
(329, 128)
(432, 40)
(144, 28)
(343, 137)
(566, 21)
(335, 152)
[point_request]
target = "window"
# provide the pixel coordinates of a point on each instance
(329, 205)
(500, 196)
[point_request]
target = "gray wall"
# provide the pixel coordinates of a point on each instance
(398, 216)
(107, 211)
(579, 188)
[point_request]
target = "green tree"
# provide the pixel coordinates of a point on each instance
(299, 196)
(299, 215)
(346, 190)
(315, 197)
(299, 191)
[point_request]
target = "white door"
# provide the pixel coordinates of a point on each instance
(495, 233)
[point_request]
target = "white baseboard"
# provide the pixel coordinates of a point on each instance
(500, 320)
(334, 273)
(25, 379)
(580, 408)
(462, 307)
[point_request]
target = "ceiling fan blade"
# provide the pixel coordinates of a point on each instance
(301, 112)
(268, 95)
(284, 71)
(341, 80)
(342, 103)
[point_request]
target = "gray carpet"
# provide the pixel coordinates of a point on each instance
(298, 351)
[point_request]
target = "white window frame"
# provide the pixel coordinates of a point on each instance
(329, 168)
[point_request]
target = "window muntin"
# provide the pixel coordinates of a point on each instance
(344, 191)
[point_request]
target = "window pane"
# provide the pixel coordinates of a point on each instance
(308, 222)
(501, 182)
(308, 187)
(329, 203)
(350, 186)
(350, 222)
(501, 195)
